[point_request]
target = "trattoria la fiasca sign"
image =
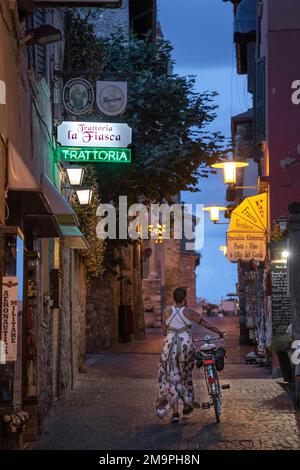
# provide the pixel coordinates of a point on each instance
(94, 134)
(94, 155)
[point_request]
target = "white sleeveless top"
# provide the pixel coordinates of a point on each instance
(177, 319)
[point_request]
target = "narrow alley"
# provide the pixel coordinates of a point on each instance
(112, 405)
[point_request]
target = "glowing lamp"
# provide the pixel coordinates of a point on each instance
(84, 196)
(157, 231)
(285, 254)
(215, 212)
(229, 168)
(223, 248)
(75, 175)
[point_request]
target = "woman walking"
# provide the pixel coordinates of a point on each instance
(177, 358)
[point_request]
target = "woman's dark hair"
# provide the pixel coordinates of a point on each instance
(179, 294)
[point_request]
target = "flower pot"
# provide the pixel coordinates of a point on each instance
(285, 366)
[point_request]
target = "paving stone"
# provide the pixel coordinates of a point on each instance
(112, 405)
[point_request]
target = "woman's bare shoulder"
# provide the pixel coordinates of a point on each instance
(168, 310)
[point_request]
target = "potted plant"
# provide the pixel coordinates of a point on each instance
(12, 429)
(281, 344)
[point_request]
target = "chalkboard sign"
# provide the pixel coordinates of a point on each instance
(281, 302)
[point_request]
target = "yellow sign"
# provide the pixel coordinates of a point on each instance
(246, 237)
(246, 246)
(250, 215)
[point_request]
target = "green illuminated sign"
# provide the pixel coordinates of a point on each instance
(94, 155)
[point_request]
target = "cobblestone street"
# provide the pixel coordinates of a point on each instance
(111, 406)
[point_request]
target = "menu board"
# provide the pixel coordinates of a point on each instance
(281, 302)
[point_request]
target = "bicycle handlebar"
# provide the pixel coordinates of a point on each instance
(198, 340)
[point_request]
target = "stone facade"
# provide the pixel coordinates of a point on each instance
(102, 314)
(168, 267)
(109, 21)
(152, 302)
(106, 295)
(188, 264)
(79, 315)
(53, 346)
(172, 255)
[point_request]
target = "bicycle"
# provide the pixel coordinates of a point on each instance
(206, 358)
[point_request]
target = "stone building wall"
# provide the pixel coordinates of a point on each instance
(64, 347)
(167, 268)
(152, 302)
(106, 294)
(102, 313)
(172, 268)
(79, 314)
(136, 293)
(188, 263)
(109, 21)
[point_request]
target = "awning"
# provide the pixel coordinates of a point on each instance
(73, 237)
(62, 210)
(46, 213)
(43, 226)
(26, 199)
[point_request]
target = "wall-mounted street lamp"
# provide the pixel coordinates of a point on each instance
(158, 230)
(285, 254)
(282, 223)
(84, 196)
(215, 212)
(230, 168)
(75, 175)
(43, 35)
(223, 248)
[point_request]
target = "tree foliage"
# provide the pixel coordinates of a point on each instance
(94, 257)
(172, 145)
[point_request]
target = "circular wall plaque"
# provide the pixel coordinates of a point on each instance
(111, 97)
(78, 96)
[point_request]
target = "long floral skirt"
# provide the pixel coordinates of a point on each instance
(175, 372)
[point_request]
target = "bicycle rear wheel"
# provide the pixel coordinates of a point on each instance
(217, 407)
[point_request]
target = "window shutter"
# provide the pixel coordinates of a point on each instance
(40, 51)
(260, 101)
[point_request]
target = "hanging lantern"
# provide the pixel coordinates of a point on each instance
(214, 212)
(75, 174)
(84, 196)
(229, 168)
(223, 248)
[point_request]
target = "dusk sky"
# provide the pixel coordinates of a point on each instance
(201, 32)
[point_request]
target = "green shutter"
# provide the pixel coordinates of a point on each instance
(260, 101)
(40, 51)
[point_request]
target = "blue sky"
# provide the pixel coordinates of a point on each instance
(201, 32)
